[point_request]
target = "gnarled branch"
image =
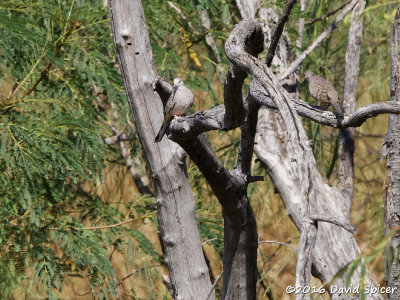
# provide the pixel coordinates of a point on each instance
(233, 99)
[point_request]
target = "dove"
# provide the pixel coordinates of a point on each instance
(177, 105)
(322, 90)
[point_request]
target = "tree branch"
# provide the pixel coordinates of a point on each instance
(208, 241)
(308, 236)
(230, 187)
(299, 41)
(293, 169)
(346, 136)
(278, 30)
(248, 132)
(213, 119)
(233, 99)
(178, 10)
(278, 243)
(310, 22)
(334, 220)
(206, 23)
(248, 9)
(328, 118)
(214, 285)
(318, 41)
(104, 226)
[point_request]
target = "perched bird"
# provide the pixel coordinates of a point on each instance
(322, 90)
(177, 105)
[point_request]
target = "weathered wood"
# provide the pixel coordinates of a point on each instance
(230, 187)
(308, 234)
(175, 204)
(318, 210)
(346, 136)
(248, 132)
(308, 229)
(240, 230)
(324, 117)
(291, 165)
(335, 245)
(233, 99)
(248, 9)
(391, 150)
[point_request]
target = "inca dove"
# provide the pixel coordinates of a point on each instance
(178, 104)
(322, 90)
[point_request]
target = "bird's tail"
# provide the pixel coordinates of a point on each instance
(161, 133)
(337, 107)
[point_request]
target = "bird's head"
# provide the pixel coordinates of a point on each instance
(178, 82)
(308, 74)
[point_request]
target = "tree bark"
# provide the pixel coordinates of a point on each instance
(335, 245)
(175, 204)
(346, 136)
(306, 195)
(391, 149)
(230, 187)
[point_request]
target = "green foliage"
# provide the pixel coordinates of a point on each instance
(178, 40)
(53, 57)
(212, 230)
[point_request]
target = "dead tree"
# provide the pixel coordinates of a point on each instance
(166, 161)
(320, 212)
(391, 150)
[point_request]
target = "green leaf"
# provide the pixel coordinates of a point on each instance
(226, 16)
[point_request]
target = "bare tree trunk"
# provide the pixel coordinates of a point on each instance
(346, 138)
(176, 211)
(391, 149)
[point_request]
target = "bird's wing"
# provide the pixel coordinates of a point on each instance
(171, 102)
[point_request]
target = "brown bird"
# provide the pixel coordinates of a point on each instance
(322, 90)
(177, 105)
